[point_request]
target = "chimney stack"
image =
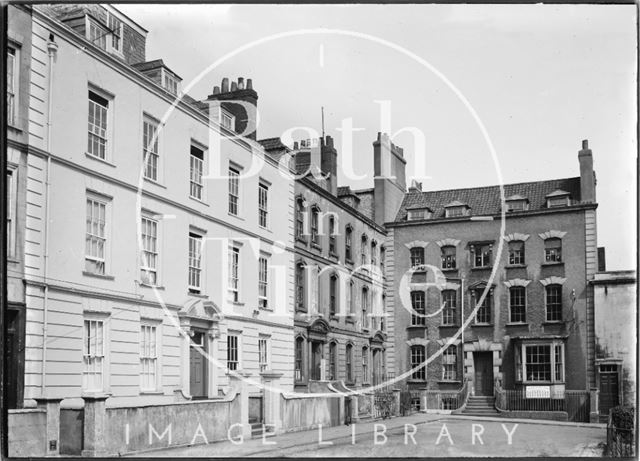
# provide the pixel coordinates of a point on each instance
(587, 175)
(241, 101)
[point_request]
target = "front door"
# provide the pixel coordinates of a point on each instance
(483, 377)
(316, 360)
(197, 367)
(608, 388)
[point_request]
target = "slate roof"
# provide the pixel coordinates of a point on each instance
(272, 143)
(485, 201)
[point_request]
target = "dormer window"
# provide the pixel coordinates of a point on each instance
(418, 214)
(97, 34)
(170, 83)
(227, 120)
(116, 32)
(107, 37)
(558, 198)
(456, 209)
(516, 203)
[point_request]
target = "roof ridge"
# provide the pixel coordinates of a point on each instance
(493, 186)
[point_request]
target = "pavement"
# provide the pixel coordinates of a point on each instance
(417, 435)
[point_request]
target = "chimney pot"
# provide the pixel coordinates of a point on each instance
(240, 83)
(585, 143)
(225, 85)
(295, 145)
(216, 90)
(249, 84)
(234, 86)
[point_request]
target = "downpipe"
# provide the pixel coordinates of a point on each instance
(52, 49)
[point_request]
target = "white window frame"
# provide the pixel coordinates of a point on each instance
(264, 353)
(196, 171)
(517, 205)
(237, 345)
(414, 362)
(195, 262)
(233, 283)
(100, 134)
(150, 356)
(95, 353)
(13, 79)
(227, 120)
(524, 306)
(154, 252)
(456, 211)
(546, 303)
(99, 27)
(12, 210)
(263, 281)
(170, 83)
(365, 365)
(105, 202)
(151, 163)
(112, 18)
(263, 204)
(556, 202)
(449, 364)
(234, 189)
(522, 357)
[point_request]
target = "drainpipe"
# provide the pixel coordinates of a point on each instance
(52, 49)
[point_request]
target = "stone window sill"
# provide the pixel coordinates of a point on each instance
(516, 266)
(450, 381)
(148, 285)
(553, 322)
(198, 200)
(101, 160)
(98, 276)
(482, 324)
(416, 326)
(155, 182)
(553, 263)
(517, 324)
(197, 295)
(452, 325)
(482, 268)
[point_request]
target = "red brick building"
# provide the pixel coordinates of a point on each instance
(483, 305)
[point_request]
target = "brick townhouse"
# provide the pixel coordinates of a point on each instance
(483, 307)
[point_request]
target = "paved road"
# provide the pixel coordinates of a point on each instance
(418, 435)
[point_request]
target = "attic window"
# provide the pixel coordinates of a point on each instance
(557, 202)
(457, 210)
(517, 205)
(227, 120)
(417, 214)
(97, 34)
(170, 83)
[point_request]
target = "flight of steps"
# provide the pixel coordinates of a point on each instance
(480, 405)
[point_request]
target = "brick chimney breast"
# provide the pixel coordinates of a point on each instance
(587, 175)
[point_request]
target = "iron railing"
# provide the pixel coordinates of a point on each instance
(574, 403)
(620, 442)
(447, 400)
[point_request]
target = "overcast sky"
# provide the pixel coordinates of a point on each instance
(541, 77)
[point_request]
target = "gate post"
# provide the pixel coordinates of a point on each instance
(594, 413)
(237, 381)
(52, 440)
(93, 438)
(272, 402)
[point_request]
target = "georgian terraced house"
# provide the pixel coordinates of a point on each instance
(534, 322)
(341, 323)
(138, 264)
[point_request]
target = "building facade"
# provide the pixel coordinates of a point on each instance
(616, 315)
(477, 305)
(340, 245)
(18, 103)
(157, 241)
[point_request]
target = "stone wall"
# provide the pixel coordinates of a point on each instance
(302, 413)
(27, 432)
